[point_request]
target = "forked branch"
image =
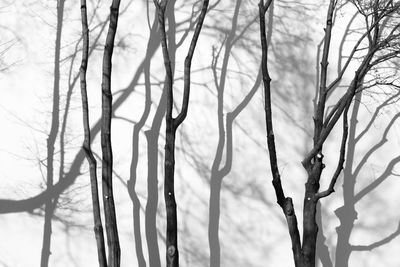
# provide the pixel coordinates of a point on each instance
(341, 161)
(172, 253)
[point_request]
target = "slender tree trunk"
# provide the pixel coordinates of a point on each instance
(114, 252)
(98, 226)
(284, 202)
(172, 124)
(50, 206)
(169, 195)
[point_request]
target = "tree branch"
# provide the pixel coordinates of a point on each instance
(98, 225)
(341, 161)
(319, 112)
(188, 62)
(114, 252)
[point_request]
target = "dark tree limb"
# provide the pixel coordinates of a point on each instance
(341, 161)
(367, 63)
(188, 62)
(342, 71)
(172, 253)
(286, 203)
(114, 252)
(98, 226)
(268, 107)
(319, 112)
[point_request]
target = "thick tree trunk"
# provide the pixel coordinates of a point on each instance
(310, 227)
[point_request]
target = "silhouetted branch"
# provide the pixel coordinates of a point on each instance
(320, 110)
(114, 252)
(285, 203)
(98, 226)
(172, 124)
(188, 62)
(342, 153)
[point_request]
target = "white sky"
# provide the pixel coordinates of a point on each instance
(252, 229)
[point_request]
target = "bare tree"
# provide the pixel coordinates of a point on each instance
(172, 125)
(381, 45)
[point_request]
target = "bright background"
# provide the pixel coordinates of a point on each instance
(252, 227)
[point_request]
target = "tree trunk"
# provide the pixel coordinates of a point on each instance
(107, 161)
(98, 226)
(172, 124)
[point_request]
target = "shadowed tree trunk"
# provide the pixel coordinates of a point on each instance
(220, 169)
(348, 214)
(151, 45)
(51, 140)
(216, 174)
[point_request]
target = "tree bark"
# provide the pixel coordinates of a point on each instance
(98, 226)
(172, 124)
(114, 252)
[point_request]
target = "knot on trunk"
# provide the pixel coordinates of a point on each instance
(171, 250)
(289, 210)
